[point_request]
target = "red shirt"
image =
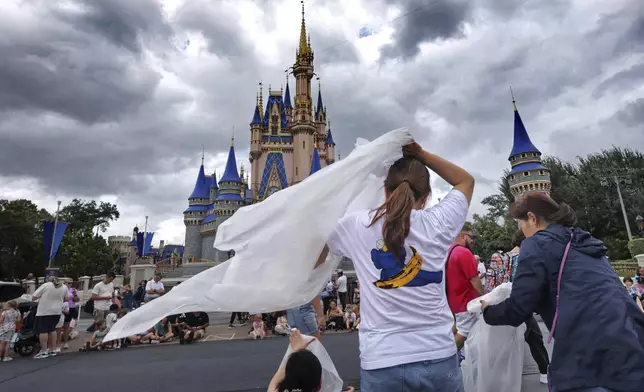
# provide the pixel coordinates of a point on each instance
(461, 267)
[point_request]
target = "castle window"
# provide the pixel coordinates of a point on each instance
(541, 173)
(524, 155)
(512, 177)
(303, 117)
(525, 174)
(534, 154)
(303, 144)
(296, 171)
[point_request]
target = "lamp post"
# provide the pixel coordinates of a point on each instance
(53, 271)
(617, 180)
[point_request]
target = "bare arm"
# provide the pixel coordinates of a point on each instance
(277, 378)
(478, 285)
(453, 174)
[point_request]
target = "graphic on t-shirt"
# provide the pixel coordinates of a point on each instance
(396, 273)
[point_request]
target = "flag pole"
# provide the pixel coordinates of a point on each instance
(51, 249)
(145, 234)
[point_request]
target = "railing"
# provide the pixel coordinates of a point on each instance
(625, 268)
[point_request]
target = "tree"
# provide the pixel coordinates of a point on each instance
(495, 229)
(82, 252)
(21, 247)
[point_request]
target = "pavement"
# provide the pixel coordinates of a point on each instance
(213, 366)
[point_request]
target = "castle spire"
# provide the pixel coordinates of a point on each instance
(230, 172)
(315, 161)
(303, 49)
(320, 106)
(201, 189)
(522, 143)
(261, 100)
(287, 94)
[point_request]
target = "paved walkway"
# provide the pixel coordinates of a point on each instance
(224, 366)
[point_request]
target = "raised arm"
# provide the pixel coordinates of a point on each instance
(453, 174)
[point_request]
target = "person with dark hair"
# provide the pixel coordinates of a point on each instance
(563, 274)
(302, 371)
(399, 252)
(463, 283)
(103, 294)
(533, 336)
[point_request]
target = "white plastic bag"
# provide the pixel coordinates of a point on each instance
(277, 242)
(493, 354)
(331, 381)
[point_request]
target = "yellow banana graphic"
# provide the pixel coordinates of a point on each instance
(406, 275)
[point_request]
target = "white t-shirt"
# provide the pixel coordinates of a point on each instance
(481, 270)
(350, 316)
(342, 284)
(50, 299)
(103, 290)
(412, 323)
(110, 320)
(152, 285)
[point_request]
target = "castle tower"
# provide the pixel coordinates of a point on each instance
(214, 189)
(229, 199)
(256, 143)
(288, 107)
(303, 126)
(330, 146)
(527, 174)
(315, 162)
(198, 203)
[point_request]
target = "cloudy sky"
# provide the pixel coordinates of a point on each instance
(107, 100)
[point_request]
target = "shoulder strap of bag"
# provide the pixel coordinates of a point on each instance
(561, 268)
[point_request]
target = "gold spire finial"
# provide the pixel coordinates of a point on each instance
(203, 154)
(232, 140)
(303, 43)
(261, 100)
(514, 103)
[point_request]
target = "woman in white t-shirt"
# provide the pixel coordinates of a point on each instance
(399, 252)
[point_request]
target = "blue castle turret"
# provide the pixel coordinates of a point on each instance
(198, 207)
(527, 174)
(315, 161)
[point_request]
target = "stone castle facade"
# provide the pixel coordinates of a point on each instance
(290, 139)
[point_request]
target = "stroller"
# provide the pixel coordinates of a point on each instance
(27, 343)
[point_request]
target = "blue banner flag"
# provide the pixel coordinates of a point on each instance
(52, 238)
(148, 243)
(139, 243)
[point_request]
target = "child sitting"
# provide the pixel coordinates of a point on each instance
(350, 318)
(96, 341)
(163, 331)
(258, 331)
(282, 327)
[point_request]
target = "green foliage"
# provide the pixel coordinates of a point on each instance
(21, 248)
(636, 246)
(493, 230)
(81, 251)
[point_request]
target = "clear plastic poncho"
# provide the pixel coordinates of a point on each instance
(493, 354)
(278, 241)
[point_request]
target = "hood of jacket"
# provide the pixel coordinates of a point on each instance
(582, 241)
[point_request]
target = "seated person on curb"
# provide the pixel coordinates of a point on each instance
(194, 326)
(281, 326)
(302, 371)
(96, 341)
(177, 323)
(148, 336)
(163, 331)
(334, 317)
(351, 318)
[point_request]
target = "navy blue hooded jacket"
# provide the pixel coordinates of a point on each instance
(599, 335)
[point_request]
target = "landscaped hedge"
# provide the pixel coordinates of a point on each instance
(624, 267)
(636, 246)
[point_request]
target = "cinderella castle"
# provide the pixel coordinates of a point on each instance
(527, 174)
(290, 139)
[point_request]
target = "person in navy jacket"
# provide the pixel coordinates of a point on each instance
(598, 328)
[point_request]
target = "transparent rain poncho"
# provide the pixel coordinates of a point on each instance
(493, 354)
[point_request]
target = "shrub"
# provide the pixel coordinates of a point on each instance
(636, 246)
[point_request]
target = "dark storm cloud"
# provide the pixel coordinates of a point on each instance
(621, 80)
(219, 25)
(122, 22)
(423, 21)
(73, 62)
(632, 114)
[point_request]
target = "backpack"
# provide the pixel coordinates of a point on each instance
(89, 306)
